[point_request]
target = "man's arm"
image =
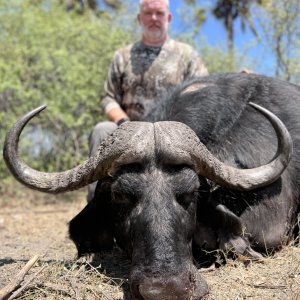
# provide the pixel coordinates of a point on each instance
(196, 66)
(113, 92)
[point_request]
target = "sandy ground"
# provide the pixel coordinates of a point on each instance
(32, 223)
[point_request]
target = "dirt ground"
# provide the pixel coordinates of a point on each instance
(32, 223)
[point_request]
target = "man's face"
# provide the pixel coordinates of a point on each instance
(154, 18)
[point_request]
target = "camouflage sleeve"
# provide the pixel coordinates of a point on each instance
(195, 66)
(113, 85)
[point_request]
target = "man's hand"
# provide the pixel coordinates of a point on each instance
(247, 71)
(117, 115)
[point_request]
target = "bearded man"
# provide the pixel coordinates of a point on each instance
(141, 73)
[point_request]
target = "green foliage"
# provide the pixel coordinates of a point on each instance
(94, 5)
(216, 59)
(49, 56)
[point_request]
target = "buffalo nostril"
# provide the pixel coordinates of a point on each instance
(161, 292)
(149, 293)
(183, 286)
(135, 289)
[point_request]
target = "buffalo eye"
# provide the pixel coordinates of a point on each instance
(124, 198)
(186, 199)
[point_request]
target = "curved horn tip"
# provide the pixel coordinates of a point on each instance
(40, 108)
(259, 107)
(33, 113)
(27, 117)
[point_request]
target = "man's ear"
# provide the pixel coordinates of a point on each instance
(91, 230)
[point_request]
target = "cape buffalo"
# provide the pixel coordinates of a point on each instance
(211, 167)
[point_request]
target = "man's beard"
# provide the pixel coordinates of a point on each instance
(157, 34)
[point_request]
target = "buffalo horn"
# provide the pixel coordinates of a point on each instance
(248, 179)
(115, 150)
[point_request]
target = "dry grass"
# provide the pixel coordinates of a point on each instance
(33, 223)
(275, 277)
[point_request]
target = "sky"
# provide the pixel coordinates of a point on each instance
(215, 33)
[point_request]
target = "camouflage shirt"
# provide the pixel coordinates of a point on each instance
(140, 75)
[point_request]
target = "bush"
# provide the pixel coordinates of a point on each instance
(49, 56)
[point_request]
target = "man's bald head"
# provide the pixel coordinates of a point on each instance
(163, 1)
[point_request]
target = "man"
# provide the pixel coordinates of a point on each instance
(140, 74)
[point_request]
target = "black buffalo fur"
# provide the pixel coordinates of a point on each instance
(238, 135)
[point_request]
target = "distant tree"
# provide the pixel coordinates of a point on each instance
(50, 57)
(216, 59)
(196, 16)
(279, 21)
(227, 11)
(92, 4)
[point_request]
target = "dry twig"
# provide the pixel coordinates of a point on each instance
(7, 290)
(26, 284)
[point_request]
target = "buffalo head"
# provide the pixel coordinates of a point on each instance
(149, 177)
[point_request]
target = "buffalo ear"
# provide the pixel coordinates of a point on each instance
(92, 229)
